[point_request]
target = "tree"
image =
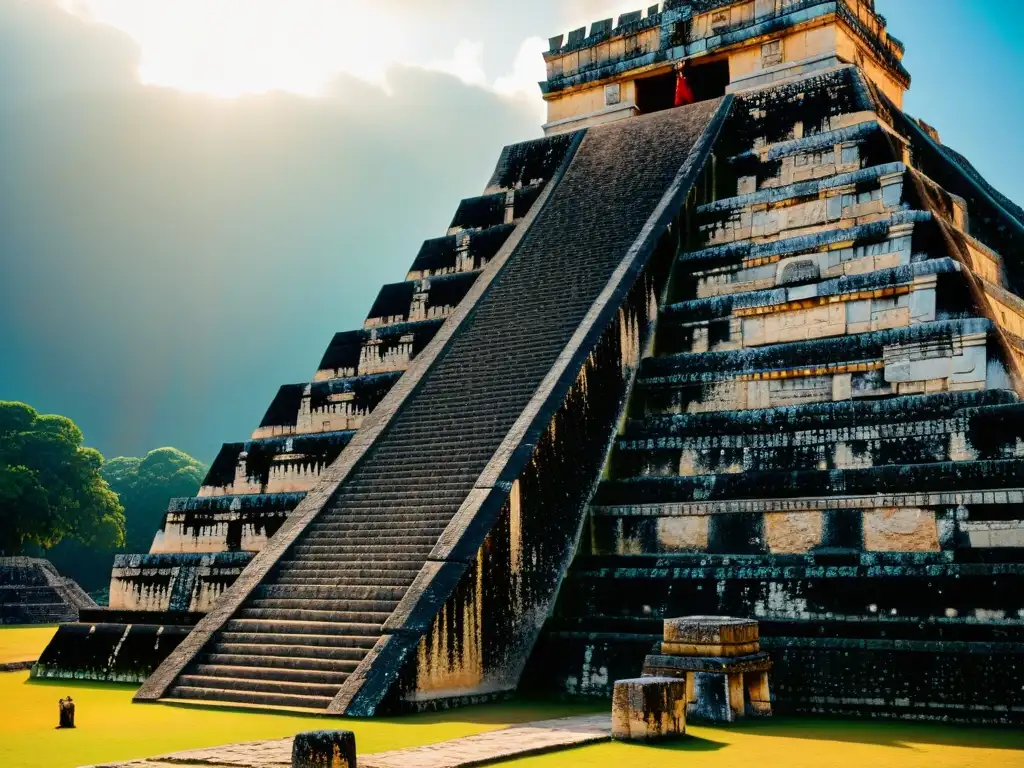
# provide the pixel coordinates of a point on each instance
(144, 486)
(50, 485)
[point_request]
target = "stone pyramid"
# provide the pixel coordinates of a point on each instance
(758, 355)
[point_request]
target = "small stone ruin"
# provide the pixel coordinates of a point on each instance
(324, 749)
(721, 661)
(649, 709)
(32, 592)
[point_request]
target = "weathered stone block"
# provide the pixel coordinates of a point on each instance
(649, 709)
(722, 698)
(722, 683)
(726, 651)
(324, 749)
(710, 630)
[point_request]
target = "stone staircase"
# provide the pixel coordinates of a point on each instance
(298, 636)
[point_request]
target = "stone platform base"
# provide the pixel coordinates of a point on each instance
(125, 653)
(718, 690)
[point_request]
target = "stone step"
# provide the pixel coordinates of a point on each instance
(297, 663)
(458, 464)
(472, 445)
(278, 626)
(346, 545)
(282, 674)
(397, 495)
(229, 640)
(398, 579)
(261, 686)
(352, 566)
(405, 470)
(408, 518)
(317, 604)
(418, 534)
(387, 482)
(306, 656)
(328, 592)
(349, 568)
(199, 693)
(314, 615)
(447, 476)
(380, 533)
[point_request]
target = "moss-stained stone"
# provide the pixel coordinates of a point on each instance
(324, 749)
(649, 709)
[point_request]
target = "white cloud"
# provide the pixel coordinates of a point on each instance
(232, 48)
(466, 63)
(236, 47)
(527, 71)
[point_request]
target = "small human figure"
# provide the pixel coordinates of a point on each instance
(684, 93)
(67, 713)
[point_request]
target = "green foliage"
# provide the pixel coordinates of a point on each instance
(50, 486)
(145, 486)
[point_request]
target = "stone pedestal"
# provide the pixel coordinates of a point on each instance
(720, 660)
(649, 709)
(324, 749)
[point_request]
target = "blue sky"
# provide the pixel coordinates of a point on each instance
(967, 61)
(168, 259)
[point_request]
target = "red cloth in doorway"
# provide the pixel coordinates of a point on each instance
(684, 93)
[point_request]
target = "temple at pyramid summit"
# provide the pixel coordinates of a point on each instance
(735, 337)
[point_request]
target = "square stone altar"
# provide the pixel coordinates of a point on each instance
(720, 658)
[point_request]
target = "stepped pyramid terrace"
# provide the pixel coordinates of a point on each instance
(757, 355)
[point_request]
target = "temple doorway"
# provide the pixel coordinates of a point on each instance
(707, 81)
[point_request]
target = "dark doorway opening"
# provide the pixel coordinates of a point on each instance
(654, 94)
(708, 81)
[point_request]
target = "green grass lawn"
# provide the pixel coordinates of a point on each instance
(790, 743)
(111, 727)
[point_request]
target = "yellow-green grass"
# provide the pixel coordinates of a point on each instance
(110, 727)
(811, 743)
(24, 643)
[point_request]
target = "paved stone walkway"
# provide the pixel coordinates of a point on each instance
(17, 666)
(493, 746)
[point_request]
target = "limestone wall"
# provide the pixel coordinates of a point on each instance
(827, 435)
(173, 582)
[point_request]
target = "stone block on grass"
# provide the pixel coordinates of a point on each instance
(324, 749)
(649, 709)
